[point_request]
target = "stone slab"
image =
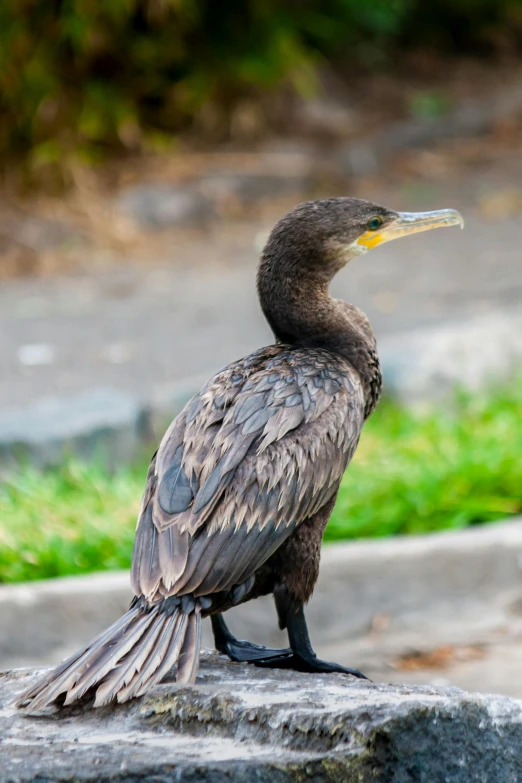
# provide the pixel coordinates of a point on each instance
(239, 723)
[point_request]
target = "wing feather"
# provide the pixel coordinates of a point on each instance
(259, 450)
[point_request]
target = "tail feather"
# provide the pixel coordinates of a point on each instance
(156, 672)
(125, 661)
(56, 677)
(97, 666)
(189, 657)
(153, 660)
(161, 647)
(133, 662)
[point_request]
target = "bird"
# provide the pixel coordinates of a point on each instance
(243, 483)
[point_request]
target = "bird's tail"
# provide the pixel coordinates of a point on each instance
(128, 658)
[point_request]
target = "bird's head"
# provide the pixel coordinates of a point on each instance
(324, 235)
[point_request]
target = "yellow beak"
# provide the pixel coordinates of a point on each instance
(411, 223)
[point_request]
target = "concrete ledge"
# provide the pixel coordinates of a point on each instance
(240, 724)
(99, 421)
(429, 363)
(41, 620)
(419, 366)
(415, 582)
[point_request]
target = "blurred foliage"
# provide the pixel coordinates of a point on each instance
(428, 104)
(414, 472)
(85, 75)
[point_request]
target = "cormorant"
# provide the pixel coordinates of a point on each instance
(241, 488)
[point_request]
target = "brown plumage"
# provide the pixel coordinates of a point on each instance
(240, 490)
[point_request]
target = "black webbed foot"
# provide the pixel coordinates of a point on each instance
(247, 652)
(301, 658)
(312, 665)
(240, 650)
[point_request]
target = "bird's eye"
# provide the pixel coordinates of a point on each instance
(374, 223)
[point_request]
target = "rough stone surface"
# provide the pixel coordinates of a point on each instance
(239, 723)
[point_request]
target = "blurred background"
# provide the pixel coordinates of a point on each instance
(146, 149)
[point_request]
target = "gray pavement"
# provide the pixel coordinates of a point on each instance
(138, 327)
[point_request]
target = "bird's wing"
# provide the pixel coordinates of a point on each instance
(261, 448)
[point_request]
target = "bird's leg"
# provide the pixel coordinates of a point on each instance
(242, 651)
(299, 656)
(304, 659)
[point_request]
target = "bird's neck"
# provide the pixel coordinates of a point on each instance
(301, 312)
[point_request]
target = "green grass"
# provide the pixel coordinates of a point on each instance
(69, 520)
(448, 467)
(414, 472)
